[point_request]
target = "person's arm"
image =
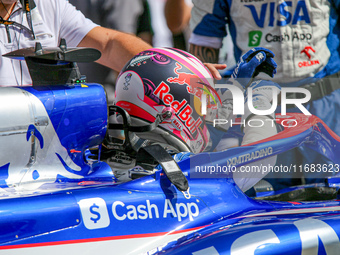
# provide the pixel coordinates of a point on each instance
(177, 15)
(117, 48)
(209, 56)
(205, 54)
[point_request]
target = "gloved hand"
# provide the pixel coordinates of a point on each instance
(252, 63)
(263, 93)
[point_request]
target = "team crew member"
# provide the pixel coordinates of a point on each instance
(25, 22)
(304, 35)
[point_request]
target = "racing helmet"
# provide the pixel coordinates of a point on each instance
(167, 79)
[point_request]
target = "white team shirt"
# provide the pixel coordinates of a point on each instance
(302, 34)
(52, 20)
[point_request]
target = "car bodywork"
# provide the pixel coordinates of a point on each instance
(56, 198)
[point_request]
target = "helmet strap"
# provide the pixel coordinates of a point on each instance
(132, 142)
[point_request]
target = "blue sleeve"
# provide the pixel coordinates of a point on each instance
(336, 4)
(214, 24)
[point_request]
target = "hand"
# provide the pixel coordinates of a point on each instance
(263, 93)
(252, 63)
(213, 68)
(264, 88)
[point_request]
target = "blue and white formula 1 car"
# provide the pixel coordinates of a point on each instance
(58, 197)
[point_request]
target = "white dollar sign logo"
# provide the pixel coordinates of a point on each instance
(94, 213)
(255, 39)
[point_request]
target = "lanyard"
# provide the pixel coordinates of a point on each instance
(27, 5)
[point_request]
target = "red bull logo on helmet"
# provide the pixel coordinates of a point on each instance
(184, 78)
(194, 84)
(182, 109)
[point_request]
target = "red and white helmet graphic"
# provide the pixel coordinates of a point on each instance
(162, 79)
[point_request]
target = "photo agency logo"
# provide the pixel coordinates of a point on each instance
(243, 102)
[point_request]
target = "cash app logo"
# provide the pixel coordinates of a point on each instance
(254, 38)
